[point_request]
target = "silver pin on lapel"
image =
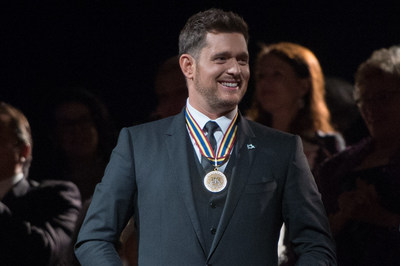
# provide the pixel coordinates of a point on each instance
(250, 146)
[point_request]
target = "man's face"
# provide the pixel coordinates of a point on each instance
(221, 73)
(9, 150)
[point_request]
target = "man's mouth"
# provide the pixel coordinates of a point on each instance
(230, 84)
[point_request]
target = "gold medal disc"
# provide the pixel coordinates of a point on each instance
(215, 181)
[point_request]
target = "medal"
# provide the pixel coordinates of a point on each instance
(215, 181)
(216, 158)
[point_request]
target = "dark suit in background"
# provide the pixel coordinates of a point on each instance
(37, 221)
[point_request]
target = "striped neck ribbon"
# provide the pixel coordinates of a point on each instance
(204, 145)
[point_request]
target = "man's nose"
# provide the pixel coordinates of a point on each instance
(234, 67)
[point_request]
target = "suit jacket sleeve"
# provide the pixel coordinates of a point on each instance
(304, 214)
(37, 226)
(110, 209)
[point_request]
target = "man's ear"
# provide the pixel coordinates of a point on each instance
(187, 63)
(25, 152)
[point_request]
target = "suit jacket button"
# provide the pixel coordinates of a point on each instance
(213, 205)
(213, 230)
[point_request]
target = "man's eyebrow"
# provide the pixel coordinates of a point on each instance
(221, 54)
(229, 54)
(244, 54)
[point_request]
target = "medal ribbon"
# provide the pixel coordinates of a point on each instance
(204, 145)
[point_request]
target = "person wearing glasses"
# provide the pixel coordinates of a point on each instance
(360, 186)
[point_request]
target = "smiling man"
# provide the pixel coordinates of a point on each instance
(207, 186)
(217, 77)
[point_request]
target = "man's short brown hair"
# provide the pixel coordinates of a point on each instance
(193, 35)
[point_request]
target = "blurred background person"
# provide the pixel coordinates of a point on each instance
(345, 116)
(81, 134)
(36, 219)
(360, 186)
(170, 88)
(77, 137)
(289, 96)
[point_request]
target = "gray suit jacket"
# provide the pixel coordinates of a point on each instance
(148, 177)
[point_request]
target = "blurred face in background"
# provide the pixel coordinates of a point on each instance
(278, 86)
(379, 103)
(9, 150)
(171, 93)
(76, 132)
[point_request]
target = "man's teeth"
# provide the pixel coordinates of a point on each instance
(230, 84)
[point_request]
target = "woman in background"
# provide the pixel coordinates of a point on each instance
(289, 96)
(360, 186)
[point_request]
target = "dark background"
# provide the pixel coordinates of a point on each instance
(113, 48)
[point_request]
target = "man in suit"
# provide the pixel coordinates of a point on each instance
(36, 220)
(208, 198)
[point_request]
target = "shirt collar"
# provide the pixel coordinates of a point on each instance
(201, 119)
(7, 184)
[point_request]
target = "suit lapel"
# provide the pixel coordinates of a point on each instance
(18, 190)
(244, 152)
(177, 152)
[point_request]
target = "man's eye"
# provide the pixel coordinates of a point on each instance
(243, 62)
(220, 59)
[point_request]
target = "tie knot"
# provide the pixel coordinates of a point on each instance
(211, 127)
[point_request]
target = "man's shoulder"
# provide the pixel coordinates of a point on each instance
(57, 185)
(150, 132)
(54, 189)
(40, 199)
(270, 138)
(28, 186)
(160, 124)
(261, 130)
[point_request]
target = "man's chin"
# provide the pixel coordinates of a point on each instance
(227, 105)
